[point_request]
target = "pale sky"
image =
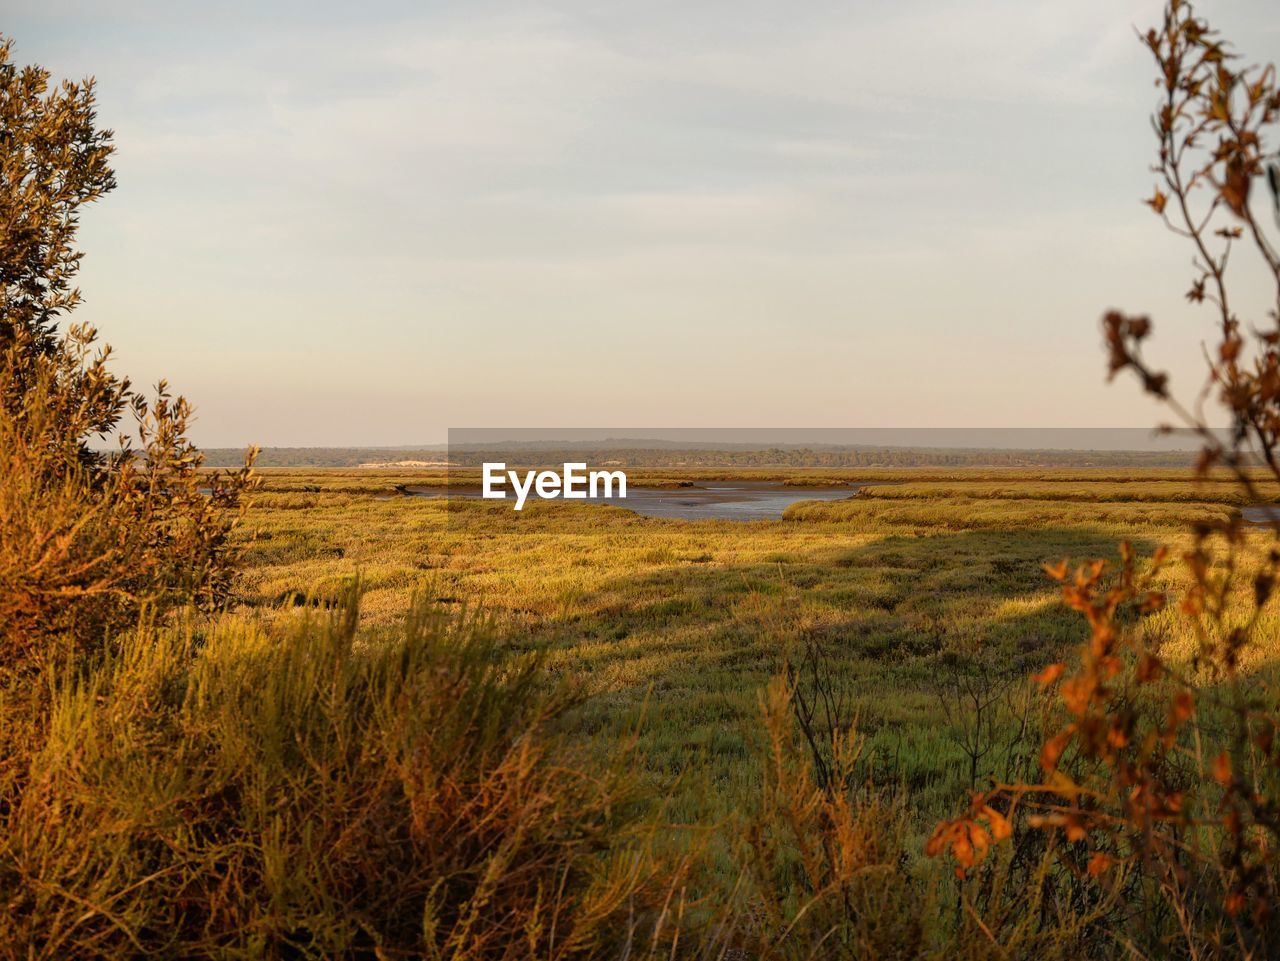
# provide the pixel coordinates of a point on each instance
(361, 224)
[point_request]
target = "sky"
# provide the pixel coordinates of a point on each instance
(363, 224)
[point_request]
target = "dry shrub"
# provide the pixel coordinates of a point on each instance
(1159, 782)
(1160, 786)
(88, 537)
(286, 793)
(824, 856)
(61, 542)
(85, 545)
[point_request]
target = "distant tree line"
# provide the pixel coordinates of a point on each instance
(853, 457)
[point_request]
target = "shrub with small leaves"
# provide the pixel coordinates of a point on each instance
(90, 535)
(1161, 779)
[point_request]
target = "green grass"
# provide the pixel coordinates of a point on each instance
(905, 587)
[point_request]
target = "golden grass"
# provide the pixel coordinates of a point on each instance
(903, 586)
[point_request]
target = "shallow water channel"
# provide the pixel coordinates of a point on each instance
(1266, 515)
(712, 500)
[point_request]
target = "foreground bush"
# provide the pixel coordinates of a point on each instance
(88, 537)
(1159, 785)
(283, 793)
(86, 545)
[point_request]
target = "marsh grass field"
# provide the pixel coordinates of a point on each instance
(806, 695)
(924, 592)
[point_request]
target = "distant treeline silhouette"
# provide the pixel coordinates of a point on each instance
(852, 457)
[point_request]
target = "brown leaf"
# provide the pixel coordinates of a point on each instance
(1149, 668)
(938, 840)
(1052, 750)
(1235, 189)
(1100, 863)
(1183, 706)
(1001, 828)
(1057, 571)
(962, 849)
(1222, 769)
(1234, 903)
(1049, 674)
